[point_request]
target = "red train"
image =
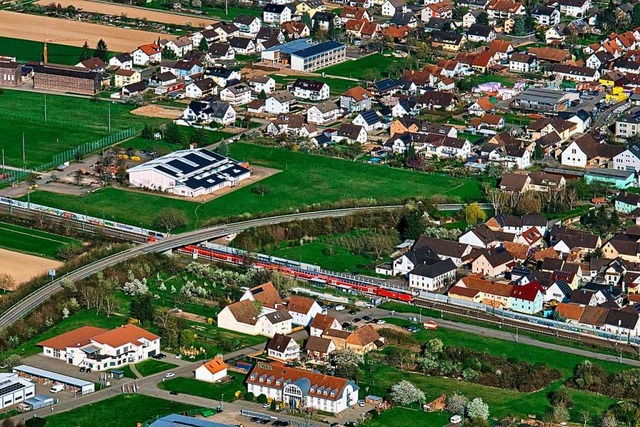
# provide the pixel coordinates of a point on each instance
(300, 271)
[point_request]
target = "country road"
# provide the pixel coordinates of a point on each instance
(38, 297)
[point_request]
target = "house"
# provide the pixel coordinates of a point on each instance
(573, 73)
(312, 90)
(123, 77)
(444, 249)
(147, 54)
(505, 9)
(260, 84)
(222, 75)
(347, 13)
(283, 349)
(220, 52)
(527, 298)
(545, 16)
(559, 291)
(221, 32)
(123, 60)
(369, 120)
(554, 35)
(62, 78)
(133, 89)
(179, 46)
(279, 102)
(292, 125)
(544, 126)
(479, 33)
(267, 295)
(102, 349)
(181, 68)
(447, 40)
(356, 99)
(361, 341)
(627, 250)
(481, 107)
(391, 7)
(574, 8)
(320, 55)
(515, 182)
(209, 110)
(627, 202)
(616, 178)
(628, 125)
(242, 45)
(471, 17)
(236, 95)
(93, 64)
(431, 277)
(586, 151)
(244, 317)
(483, 291)
(213, 371)
(295, 30)
(523, 63)
(302, 389)
(483, 237)
(192, 173)
(440, 10)
(323, 113)
(248, 24)
(322, 323)
(492, 263)
(564, 240)
(351, 133)
(622, 322)
(276, 14)
(581, 118)
(303, 310)
(403, 20)
(488, 121)
(319, 348)
(325, 20)
(200, 88)
(599, 60)
(550, 54)
(310, 7)
(10, 73)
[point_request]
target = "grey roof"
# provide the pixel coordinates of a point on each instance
(278, 316)
(370, 117)
(54, 376)
(318, 49)
(434, 270)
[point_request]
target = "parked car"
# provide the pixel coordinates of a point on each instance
(357, 319)
(280, 423)
(159, 356)
(340, 307)
(430, 325)
(83, 369)
(173, 393)
(380, 322)
(361, 403)
(265, 421)
(255, 420)
(169, 375)
(353, 311)
(366, 318)
(346, 325)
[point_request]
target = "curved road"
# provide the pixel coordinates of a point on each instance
(38, 297)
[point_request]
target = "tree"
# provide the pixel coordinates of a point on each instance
(174, 135)
(260, 189)
(101, 51)
(168, 53)
(477, 409)
(529, 203)
(608, 420)
(187, 338)
(306, 19)
(560, 414)
(199, 137)
(7, 282)
(147, 132)
(457, 403)
(332, 29)
(142, 308)
(262, 399)
(203, 46)
(482, 18)
(411, 224)
(170, 219)
(405, 393)
(86, 51)
(560, 397)
(538, 153)
(519, 28)
(346, 363)
(497, 198)
(35, 422)
(474, 214)
(222, 149)
(282, 283)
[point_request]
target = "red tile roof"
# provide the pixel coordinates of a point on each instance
(527, 292)
(127, 334)
(215, 365)
(76, 338)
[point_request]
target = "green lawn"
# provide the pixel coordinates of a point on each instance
(305, 180)
(505, 80)
(152, 366)
(403, 417)
(27, 50)
(217, 11)
(119, 411)
(70, 122)
(29, 240)
(354, 68)
(203, 389)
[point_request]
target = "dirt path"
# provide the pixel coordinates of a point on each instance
(157, 111)
(72, 33)
(133, 12)
(24, 267)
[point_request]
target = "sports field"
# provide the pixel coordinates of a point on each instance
(305, 180)
(28, 240)
(70, 122)
(27, 50)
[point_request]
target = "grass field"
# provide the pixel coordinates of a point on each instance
(354, 68)
(70, 122)
(216, 12)
(152, 366)
(203, 389)
(27, 50)
(505, 80)
(403, 417)
(119, 411)
(28, 240)
(305, 180)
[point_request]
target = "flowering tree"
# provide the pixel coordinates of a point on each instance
(406, 393)
(477, 409)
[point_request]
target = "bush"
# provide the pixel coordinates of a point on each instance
(249, 397)
(262, 399)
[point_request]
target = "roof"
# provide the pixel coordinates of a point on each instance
(127, 334)
(244, 311)
(54, 376)
(569, 311)
(322, 322)
(93, 63)
(215, 365)
(462, 291)
(310, 383)
(278, 316)
(318, 49)
(176, 420)
(487, 286)
(267, 294)
(480, 30)
(434, 270)
(364, 336)
(308, 84)
(550, 54)
(622, 319)
(279, 343)
(150, 49)
(442, 247)
(298, 304)
(319, 344)
(527, 292)
(370, 117)
(485, 104)
(75, 338)
(509, 6)
(511, 181)
(497, 257)
(61, 70)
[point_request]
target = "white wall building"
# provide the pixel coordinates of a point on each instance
(213, 371)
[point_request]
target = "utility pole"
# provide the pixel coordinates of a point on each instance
(24, 155)
(3, 160)
(109, 123)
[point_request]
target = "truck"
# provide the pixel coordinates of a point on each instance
(57, 388)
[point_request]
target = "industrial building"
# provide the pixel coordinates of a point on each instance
(304, 55)
(541, 100)
(80, 387)
(14, 389)
(61, 78)
(189, 173)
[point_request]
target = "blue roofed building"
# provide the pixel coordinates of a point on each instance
(620, 179)
(175, 420)
(369, 120)
(305, 55)
(189, 173)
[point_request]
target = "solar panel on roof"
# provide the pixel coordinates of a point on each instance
(182, 166)
(11, 388)
(316, 49)
(166, 170)
(197, 159)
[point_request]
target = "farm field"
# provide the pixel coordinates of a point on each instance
(118, 411)
(70, 122)
(306, 180)
(152, 366)
(39, 28)
(354, 68)
(133, 12)
(203, 389)
(23, 267)
(35, 242)
(214, 11)
(27, 50)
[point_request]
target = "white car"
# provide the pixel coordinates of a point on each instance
(169, 375)
(340, 307)
(178, 356)
(381, 322)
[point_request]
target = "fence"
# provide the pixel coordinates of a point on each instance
(535, 320)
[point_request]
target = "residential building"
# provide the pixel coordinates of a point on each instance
(319, 348)
(586, 151)
(220, 52)
(356, 99)
(208, 110)
(262, 84)
(236, 95)
(248, 24)
(244, 317)
(629, 159)
(213, 371)
(545, 16)
(322, 323)
(431, 277)
(123, 60)
(390, 7)
(302, 389)
(492, 263)
(620, 179)
(283, 349)
(523, 63)
(189, 173)
(448, 40)
(200, 88)
(369, 120)
(505, 9)
(102, 349)
(351, 133)
(574, 8)
(312, 90)
(279, 102)
(123, 77)
(276, 14)
(479, 33)
(361, 341)
(323, 113)
(627, 202)
(303, 310)
(242, 45)
(527, 298)
(147, 54)
(628, 125)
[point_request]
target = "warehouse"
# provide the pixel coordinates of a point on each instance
(188, 173)
(14, 389)
(80, 387)
(62, 78)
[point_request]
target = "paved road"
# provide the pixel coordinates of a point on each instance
(604, 115)
(35, 299)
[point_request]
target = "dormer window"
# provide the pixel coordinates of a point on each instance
(253, 376)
